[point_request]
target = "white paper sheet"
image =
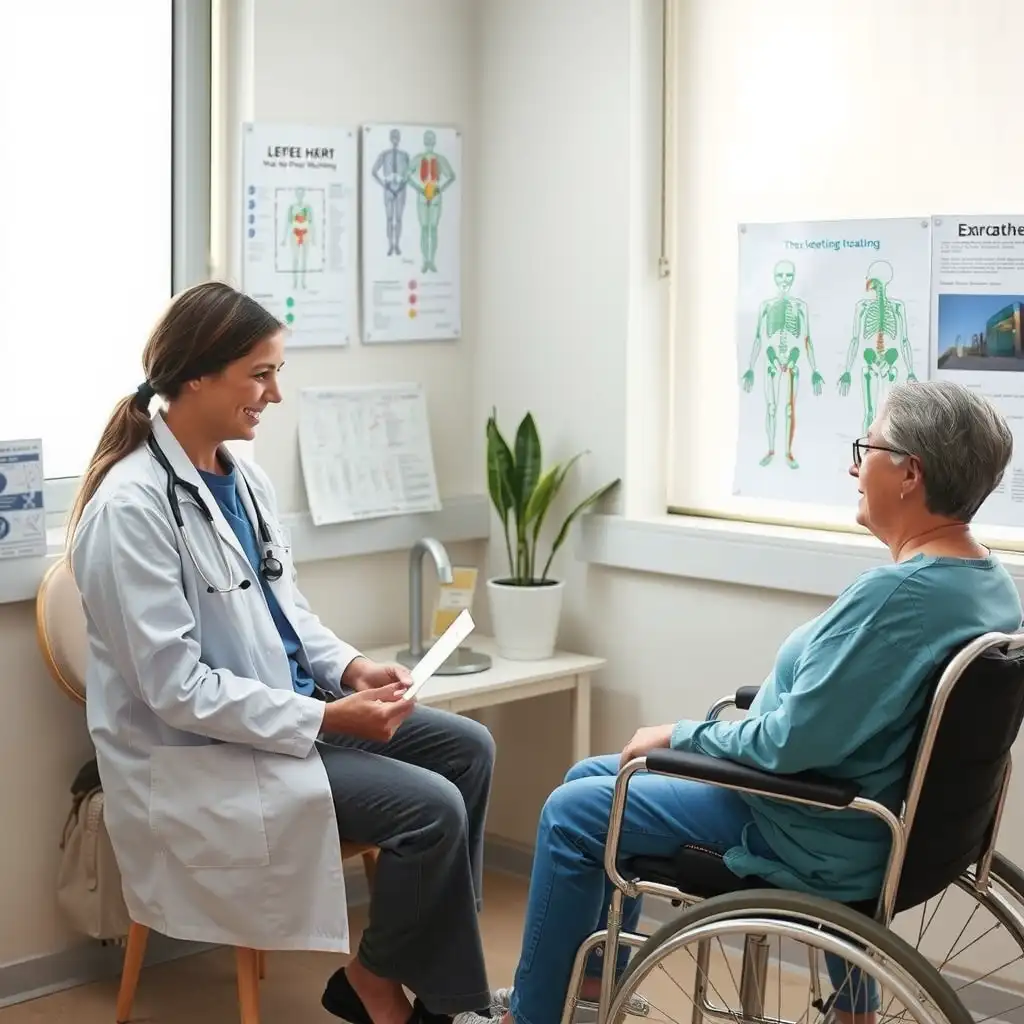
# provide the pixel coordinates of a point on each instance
(441, 650)
(366, 452)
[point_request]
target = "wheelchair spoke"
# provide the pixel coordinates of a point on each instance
(721, 971)
(725, 972)
(988, 974)
(951, 954)
(926, 925)
(975, 939)
(697, 970)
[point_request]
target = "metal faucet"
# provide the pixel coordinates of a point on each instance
(443, 564)
(464, 660)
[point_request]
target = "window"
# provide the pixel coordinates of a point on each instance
(87, 115)
(805, 113)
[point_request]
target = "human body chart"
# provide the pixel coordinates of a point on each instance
(411, 232)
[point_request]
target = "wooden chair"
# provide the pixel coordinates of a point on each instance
(63, 641)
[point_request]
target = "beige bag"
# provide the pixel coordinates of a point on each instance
(88, 880)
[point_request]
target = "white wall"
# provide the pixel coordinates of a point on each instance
(350, 63)
(570, 308)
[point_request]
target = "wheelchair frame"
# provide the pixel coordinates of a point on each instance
(816, 793)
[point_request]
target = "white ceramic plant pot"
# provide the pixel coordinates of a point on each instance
(525, 619)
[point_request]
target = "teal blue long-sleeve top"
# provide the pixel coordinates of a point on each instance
(844, 698)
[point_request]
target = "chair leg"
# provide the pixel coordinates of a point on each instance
(247, 961)
(370, 866)
(134, 954)
(261, 963)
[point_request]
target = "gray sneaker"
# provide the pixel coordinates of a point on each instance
(586, 1011)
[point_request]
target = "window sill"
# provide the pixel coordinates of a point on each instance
(462, 518)
(746, 554)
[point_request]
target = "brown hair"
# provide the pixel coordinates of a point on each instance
(204, 329)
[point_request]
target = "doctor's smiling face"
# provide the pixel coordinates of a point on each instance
(214, 358)
(231, 402)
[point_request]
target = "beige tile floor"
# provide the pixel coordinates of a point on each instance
(202, 989)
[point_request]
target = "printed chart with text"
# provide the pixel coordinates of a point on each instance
(411, 230)
(831, 314)
(977, 334)
(299, 232)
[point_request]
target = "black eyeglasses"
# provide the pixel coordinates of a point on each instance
(860, 446)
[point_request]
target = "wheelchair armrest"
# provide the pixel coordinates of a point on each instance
(805, 786)
(745, 697)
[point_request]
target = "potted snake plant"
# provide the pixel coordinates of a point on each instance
(526, 604)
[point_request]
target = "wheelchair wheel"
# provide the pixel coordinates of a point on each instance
(737, 957)
(975, 937)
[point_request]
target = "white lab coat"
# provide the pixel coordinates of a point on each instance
(217, 801)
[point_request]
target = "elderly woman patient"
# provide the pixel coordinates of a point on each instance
(843, 698)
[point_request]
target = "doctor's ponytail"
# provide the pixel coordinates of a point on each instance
(127, 428)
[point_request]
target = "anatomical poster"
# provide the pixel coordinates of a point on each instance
(299, 229)
(411, 213)
(830, 315)
(977, 330)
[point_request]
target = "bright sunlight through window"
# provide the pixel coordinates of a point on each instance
(85, 247)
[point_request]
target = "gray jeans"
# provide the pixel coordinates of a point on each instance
(422, 798)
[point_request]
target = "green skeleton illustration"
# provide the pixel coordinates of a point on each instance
(782, 321)
(299, 233)
(879, 324)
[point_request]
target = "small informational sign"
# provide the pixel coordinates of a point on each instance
(22, 515)
(453, 598)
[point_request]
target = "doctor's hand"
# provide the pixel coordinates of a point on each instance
(372, 714)
(364, 674)
(644, 741)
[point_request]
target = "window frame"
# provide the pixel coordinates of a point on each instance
(191, 106)
(815, 523)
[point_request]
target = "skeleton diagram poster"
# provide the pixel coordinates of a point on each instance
(299, 245)
(411, 226)
(978, 331)
(830, 315)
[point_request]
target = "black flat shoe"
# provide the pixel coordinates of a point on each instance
(341, 999)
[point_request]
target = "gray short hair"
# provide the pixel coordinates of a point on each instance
(962, 440)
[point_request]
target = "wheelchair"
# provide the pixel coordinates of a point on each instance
(943, 849)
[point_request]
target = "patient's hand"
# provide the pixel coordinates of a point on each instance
(644, 740)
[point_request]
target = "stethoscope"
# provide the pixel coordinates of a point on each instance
(270, 567)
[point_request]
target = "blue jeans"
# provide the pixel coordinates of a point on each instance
(570, 892)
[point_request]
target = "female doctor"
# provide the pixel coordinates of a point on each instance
(238, 739)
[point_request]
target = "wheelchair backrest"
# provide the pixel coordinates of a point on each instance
(962, 762)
